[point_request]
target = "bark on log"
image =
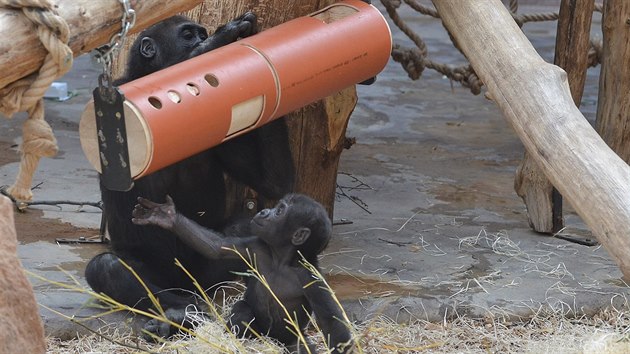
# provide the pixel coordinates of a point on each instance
(92, 24)
(543, 201)
(613, 107)
(317, 132)
(535, 98)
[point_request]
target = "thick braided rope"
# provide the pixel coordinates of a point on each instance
(26, 94)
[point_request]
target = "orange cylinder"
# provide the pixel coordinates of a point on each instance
(197, 104)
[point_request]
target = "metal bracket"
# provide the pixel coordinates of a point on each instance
(112, 136)
(82, 239)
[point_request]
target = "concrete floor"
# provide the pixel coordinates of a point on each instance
(436, 227)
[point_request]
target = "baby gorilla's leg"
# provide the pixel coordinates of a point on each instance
(106, 274)
(242, 320)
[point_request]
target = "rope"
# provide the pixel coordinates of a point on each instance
(26, 94)
(414, 60)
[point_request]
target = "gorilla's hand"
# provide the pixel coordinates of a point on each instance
(241, 27)
(185, 317)
(246, 24)
(147, 212)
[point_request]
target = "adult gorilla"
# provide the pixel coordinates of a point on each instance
(260, 159)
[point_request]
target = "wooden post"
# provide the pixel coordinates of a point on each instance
(535, 99)
(543, 201)
(613, 106)
(91, 23)
(317, 132)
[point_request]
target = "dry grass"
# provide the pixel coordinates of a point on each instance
(605, 333)
(549, 330)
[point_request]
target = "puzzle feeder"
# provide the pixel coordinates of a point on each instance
(197, 104)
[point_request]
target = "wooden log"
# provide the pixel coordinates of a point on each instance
(317, 132)
(535, 99)
(91, 23)
(543, 201)
(318, 136)
(613, 105)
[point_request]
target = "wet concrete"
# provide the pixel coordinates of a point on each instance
(436, 228)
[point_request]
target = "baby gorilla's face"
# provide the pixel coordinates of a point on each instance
(269, 224)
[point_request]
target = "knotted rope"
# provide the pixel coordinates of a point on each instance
(26, 94)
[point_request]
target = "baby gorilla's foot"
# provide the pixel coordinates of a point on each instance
(186, 318)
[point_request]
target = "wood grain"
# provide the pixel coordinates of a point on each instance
(543, 201)
(91, 23)
(613, 105)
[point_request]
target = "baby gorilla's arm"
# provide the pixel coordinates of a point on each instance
(328, 314)
(208, 242)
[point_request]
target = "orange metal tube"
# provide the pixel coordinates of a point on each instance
(199, 103)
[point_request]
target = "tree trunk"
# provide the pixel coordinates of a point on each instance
(543, 201)
(317, 132)
(91, 23)
(613, 107)
(535, 98)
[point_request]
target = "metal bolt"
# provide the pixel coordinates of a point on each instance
(250, 205)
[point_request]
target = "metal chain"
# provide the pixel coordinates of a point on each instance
(105, 54)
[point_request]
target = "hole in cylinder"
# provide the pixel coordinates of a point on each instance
(155, 102)
(193, 89)
(212, 80)
(174, 96)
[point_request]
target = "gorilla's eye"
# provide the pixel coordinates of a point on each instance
(203, 35)
(187, 35)
(280, 209)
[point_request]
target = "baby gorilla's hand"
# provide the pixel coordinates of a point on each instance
(147, 212)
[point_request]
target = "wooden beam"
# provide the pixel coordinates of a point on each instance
(91, 23)
(535, 99)
(543, 201)
(613, 105)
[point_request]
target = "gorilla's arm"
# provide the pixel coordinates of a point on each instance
(208, 242)
(261, 159)
(327, 313)
(241, 27)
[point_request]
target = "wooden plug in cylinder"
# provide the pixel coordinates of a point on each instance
(197, 104)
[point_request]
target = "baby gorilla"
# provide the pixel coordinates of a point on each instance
(274, 238)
